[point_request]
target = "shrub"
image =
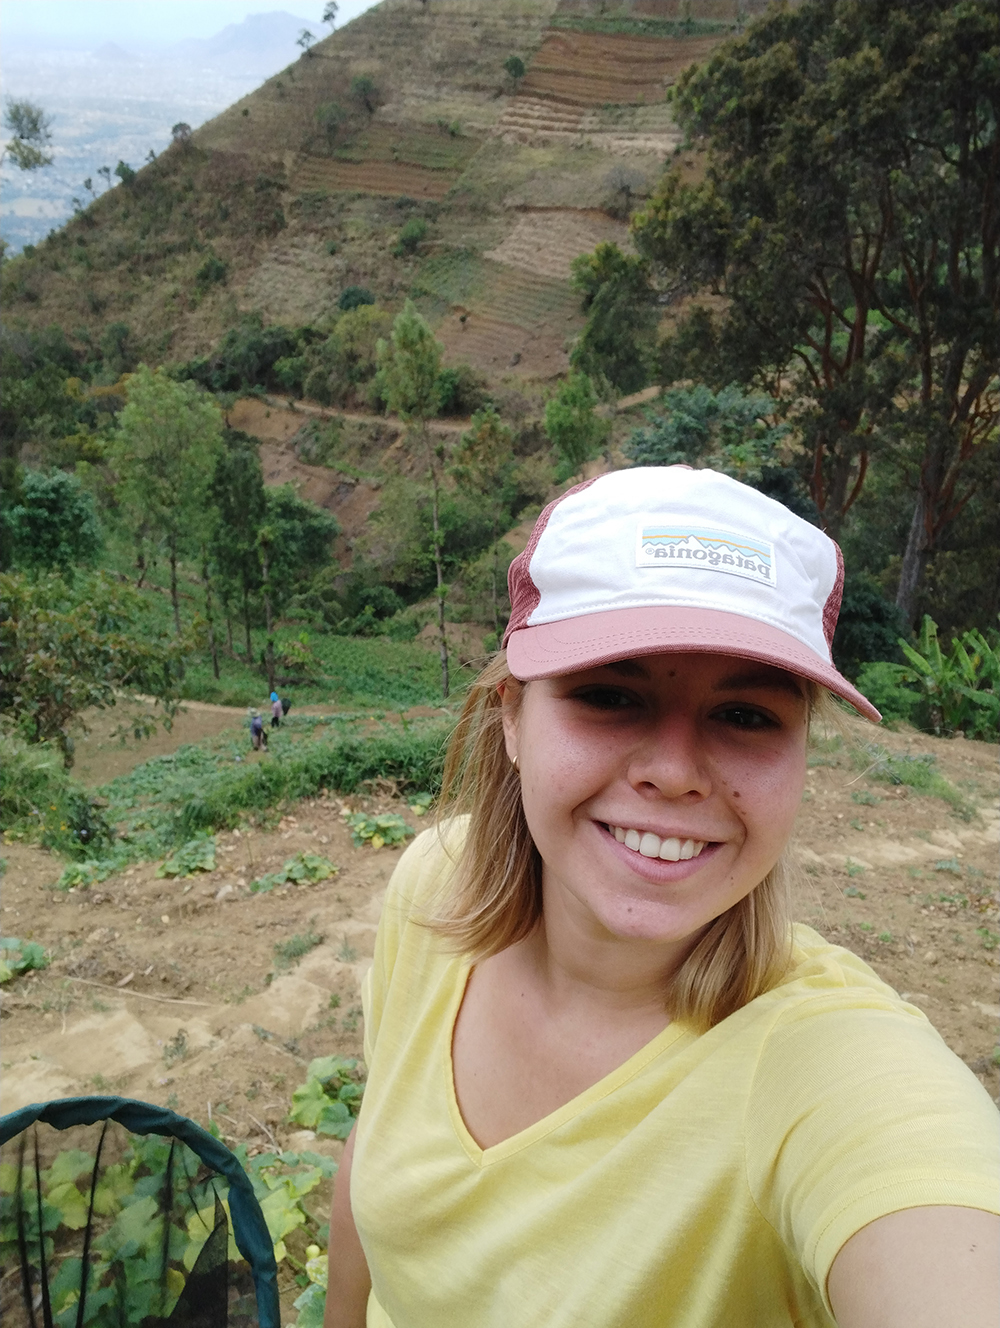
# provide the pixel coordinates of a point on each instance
(514, 66)
(461, 391)
(953, 691)
(352, 297)
(54, 524)
(212, 271)
(869, 626)
(410, 236)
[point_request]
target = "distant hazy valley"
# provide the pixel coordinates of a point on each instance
(110, 105)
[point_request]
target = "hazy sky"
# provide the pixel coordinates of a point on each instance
(90, 23)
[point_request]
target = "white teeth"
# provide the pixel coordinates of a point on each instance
(652, 846)
(670, 850)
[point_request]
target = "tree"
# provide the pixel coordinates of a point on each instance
(849, 223)
(67, 648)
(574, 430)
(330, 116)
(616, 346)
(409, 365)
(180, 133)
(364, 91)
(514, 66)
(164, 452)
(305, 39)
(54, 524)
(732, 431)
(239, 504)
(485, 465)
(31, 133)
(622, 183)
(330, 13)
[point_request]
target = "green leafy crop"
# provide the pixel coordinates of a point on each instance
(389, 828)
(303, 869)
(330, 1098)
(197, 855)
(17, 957)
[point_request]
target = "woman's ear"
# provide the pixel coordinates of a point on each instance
(510, 696)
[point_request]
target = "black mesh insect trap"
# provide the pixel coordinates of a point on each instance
(115, 1212)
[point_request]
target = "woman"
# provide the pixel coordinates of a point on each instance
(608, 1084)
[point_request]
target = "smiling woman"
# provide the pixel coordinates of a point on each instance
(609, 1082)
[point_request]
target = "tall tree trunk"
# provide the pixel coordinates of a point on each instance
(207, 583)
(439, 574)
(246, 622)
(229, 628)
(265, 566)
(915, 558)
(174, 597)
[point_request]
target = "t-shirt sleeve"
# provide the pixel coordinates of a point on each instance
(858, 1113)
(416, 876)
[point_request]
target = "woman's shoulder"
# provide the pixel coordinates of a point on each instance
(425, 869)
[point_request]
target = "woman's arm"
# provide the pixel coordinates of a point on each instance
(920, 1268)
(349, 1280)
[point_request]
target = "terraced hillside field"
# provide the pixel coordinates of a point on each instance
(598, 69)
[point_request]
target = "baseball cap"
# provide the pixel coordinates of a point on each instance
(667, 558)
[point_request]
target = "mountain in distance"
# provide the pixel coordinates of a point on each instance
(112, 53)
(260, 40)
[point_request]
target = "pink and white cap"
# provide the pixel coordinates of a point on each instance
(666, 558)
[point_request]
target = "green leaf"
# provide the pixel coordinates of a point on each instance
(71, 1204)
(311, 1306)
(308, 1102)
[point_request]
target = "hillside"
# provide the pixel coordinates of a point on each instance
(513, 181)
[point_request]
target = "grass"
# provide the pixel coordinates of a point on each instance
(287, 953)
(916, 772)
(169, 801)
(625, 26)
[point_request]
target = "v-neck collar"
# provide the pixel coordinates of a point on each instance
(485, 1157)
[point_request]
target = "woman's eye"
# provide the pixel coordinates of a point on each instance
(606, 698)
(746, 717)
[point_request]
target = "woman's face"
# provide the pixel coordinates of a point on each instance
(661, 790)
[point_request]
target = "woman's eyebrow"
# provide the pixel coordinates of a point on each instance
(772, 681)
(627, 668)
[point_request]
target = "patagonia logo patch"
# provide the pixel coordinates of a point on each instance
(684, 547)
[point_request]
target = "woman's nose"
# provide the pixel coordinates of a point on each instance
(670, 761)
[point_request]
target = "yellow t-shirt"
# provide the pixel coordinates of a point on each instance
(708, 1182)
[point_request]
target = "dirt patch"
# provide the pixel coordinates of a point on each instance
(596, 69)
(496, 347)
(546, 241)
(101, 757)
(394, 179)
(140, 961)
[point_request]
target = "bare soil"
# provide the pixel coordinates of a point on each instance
(596, 69)
(172, 990)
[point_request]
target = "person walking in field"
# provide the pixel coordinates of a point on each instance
(258, 736)
(276, 711)
(610, 1083)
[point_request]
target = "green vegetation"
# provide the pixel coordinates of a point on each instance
(18, 957)
(944, 691)
(916, 772)
(389, 828)
(330, 1099)
(577, 433)
(170, 806)
(628, 26)
(287, 953)
(307, 868)
(54, 526)
(890, 380)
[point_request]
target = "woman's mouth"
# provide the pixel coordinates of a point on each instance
(648, 845)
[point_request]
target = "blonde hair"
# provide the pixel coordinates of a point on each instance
(495, 896)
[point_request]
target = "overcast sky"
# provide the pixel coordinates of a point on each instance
(145, 23)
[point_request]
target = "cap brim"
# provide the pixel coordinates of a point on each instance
(549, 649)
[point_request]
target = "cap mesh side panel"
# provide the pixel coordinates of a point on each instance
(831, 609)
(524, 594)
